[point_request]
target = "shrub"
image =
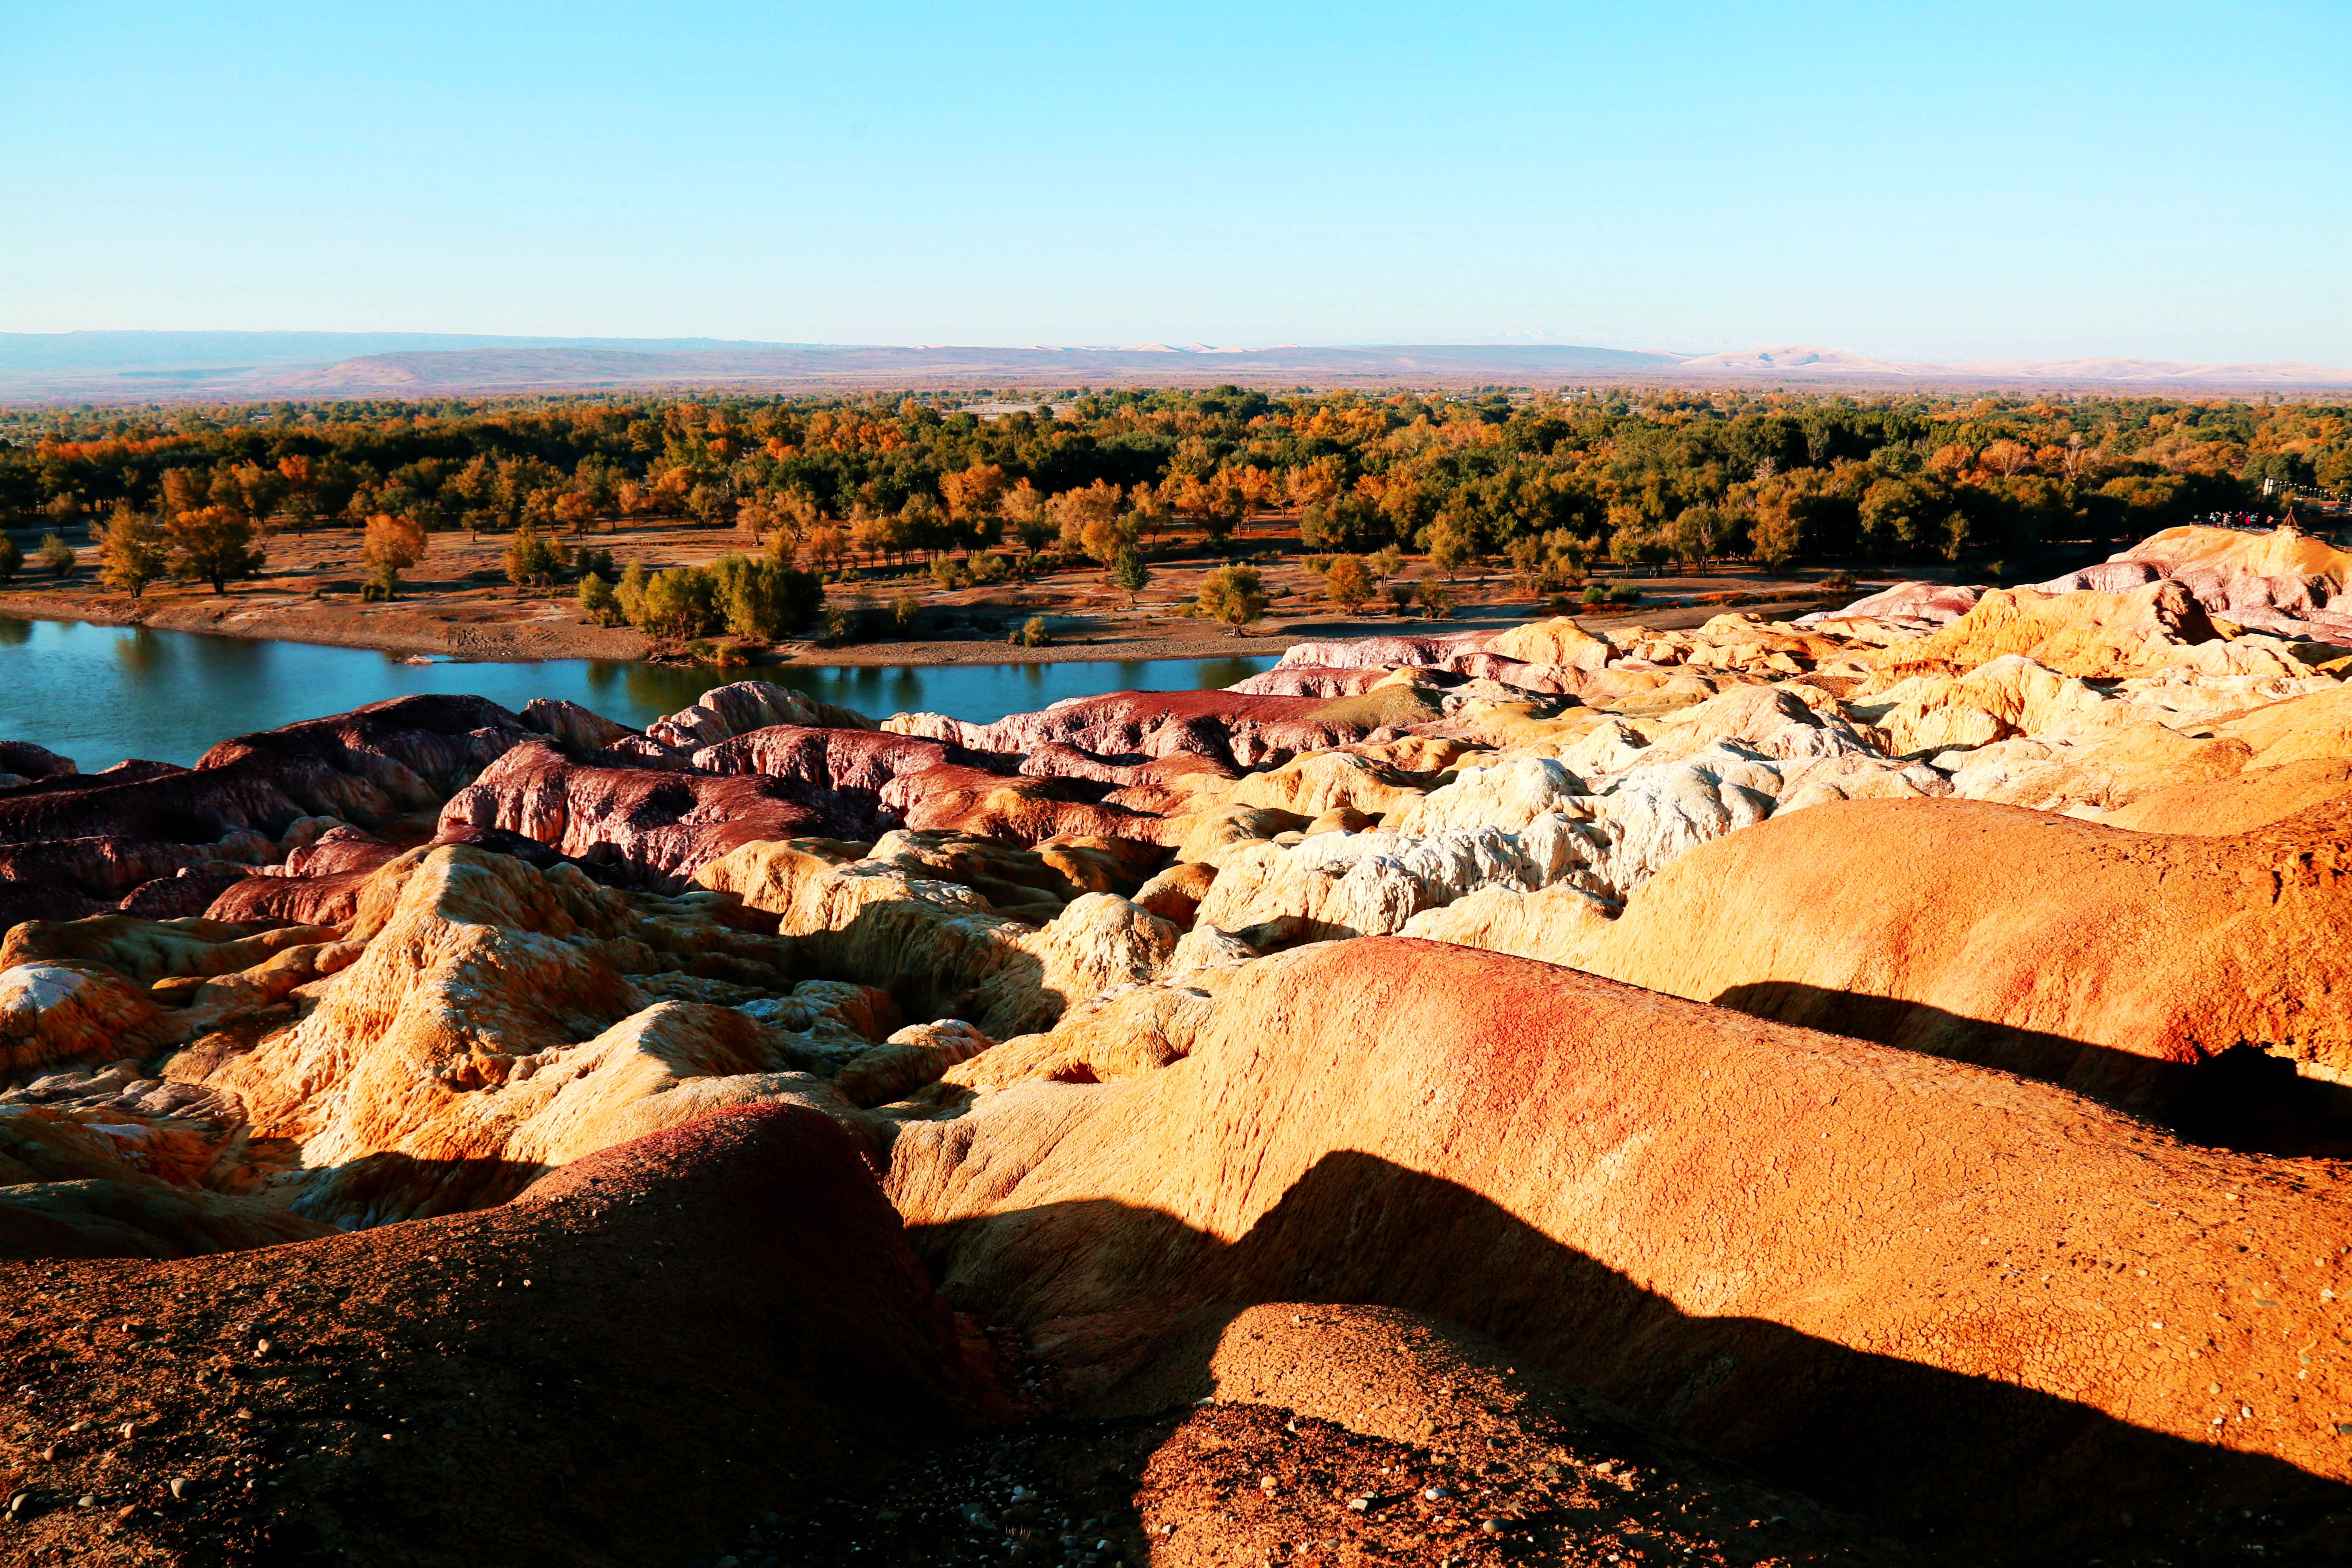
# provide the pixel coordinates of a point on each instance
(906, 613)
(1031, 634)
(11, 559)
(1436, 604)
(56, 555)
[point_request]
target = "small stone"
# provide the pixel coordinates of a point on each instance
(1360, 1504)
(179, 1487)
(1437, 1494)
(724, 1561)
(88, 1499)
(1492, 1526)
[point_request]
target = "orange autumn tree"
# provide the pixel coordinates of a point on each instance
(391, 546)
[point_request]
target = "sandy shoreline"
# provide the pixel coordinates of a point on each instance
(557, 633)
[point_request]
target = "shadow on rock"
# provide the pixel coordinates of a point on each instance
(2000, 1472)
(2245, 1098)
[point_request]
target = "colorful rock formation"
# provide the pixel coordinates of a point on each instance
(1899, 1053)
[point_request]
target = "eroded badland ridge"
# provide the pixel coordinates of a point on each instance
(1863, 1090)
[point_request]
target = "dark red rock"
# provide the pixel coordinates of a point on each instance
(27, 761)
(318, 884)
(646, 827)
(72, 844)
(189, 893)
(1231, 727)
(1021, 809)
(852, 761)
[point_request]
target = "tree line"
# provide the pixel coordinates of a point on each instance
(1555, 483)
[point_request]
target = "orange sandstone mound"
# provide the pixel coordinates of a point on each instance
(2108, 960)
(1948, 1298)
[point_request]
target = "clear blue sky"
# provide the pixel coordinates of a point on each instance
(1933, 180)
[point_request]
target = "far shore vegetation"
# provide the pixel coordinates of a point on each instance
(808, 491)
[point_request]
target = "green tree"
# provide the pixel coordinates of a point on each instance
(12, 559)
(213, 545)
(1233, 594)
(1695, 532)
(532, 560)
(1451, 545)
(597, 599)
(629, 593)
(762, 599)
(678, 604)
(56, 555)
(132, 551)
(1128, 570)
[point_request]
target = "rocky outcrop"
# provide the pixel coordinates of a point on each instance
(1905, 922)
(1934, 603)
(940, 948)
(1116, 995)
(1021, 809)
(847, 761)
(678, 1366)
(1383, 653)
(573, 725)
(653, 827)
(1778, 1245)
(1230, 727)
(2232, 573)
(87, 842)
(745, 706)
(21, 763)
(316, 884)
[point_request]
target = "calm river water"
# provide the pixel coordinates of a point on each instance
(99, 694)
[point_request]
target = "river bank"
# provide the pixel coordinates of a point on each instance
(517, 629)
(457, 604)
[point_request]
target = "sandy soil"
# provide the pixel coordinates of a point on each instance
(458, 604)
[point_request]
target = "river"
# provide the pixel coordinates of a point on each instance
(99, 694)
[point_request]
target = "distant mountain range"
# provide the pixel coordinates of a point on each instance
(134, 368)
